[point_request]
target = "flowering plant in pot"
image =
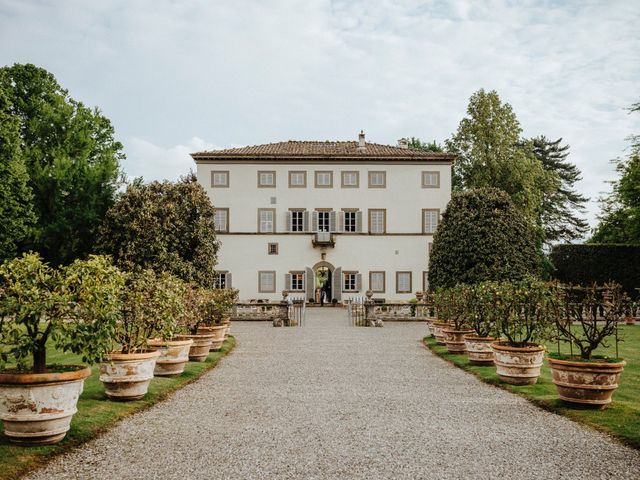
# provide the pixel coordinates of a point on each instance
(194, 320)
(451, 309)
(587, 318)
(217, 305)
(479, 310)
(524, 313)
(73, 309)
(148, 311)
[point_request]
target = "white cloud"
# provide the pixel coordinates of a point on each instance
(244, 72)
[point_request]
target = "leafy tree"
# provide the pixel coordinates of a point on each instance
(620, 219)
(418, 144)
(16, 211)
(491, 154)
(71, 158)
(561, 208)
(163, 226)
(482, 236)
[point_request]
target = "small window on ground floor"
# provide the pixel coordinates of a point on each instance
(377, 282)
(294, 281)
(403, 282)
(351, 282)
(272, 248)
(267, 281)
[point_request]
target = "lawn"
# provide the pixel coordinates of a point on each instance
(96, 413)
(621, 418)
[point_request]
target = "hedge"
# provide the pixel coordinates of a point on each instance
(588, 263)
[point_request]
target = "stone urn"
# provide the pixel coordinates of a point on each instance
(436, 328)
(479, 349)
(126, 376)
(174, 355)
(199, 350)
(217, 340)
(454, 339)
(518, 365)
(36, 408)
(585, 383)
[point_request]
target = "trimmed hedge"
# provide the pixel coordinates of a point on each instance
(588, 263)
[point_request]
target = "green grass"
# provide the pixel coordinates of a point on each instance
(621, 418)
(96, 413)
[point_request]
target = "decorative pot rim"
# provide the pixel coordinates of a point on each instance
(531, 347)
(127, 357)
(212, 327)
(586, 365)
(158, 342)
(48, 377)
(196, 336)
(441, 324)
(475, 337)
(452, 330)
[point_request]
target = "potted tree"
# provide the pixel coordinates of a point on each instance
(524, 312)
(451, 308)
(479, 309)
(587, 319)
(73, 310)
(195, 316)
(128, 369)
(218, 306)
(167, 302)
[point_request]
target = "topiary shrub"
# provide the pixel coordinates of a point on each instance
(482, 236)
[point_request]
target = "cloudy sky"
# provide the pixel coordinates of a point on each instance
(182, 76)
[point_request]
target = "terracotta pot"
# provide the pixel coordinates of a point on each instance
(174, 355)
(438, 334)
(218, 336)
(36, 408)
(455, 339)
(589, 384)
(199, 350)
(479, 349)
(430, 327)
(518, 365)
(126, 376)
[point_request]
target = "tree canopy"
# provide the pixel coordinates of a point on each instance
(418, 144)
(163, 226)
(71, 158)
(482, 236)
(620, 218)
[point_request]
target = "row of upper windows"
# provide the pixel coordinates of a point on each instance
(322, 179)
(326, 220)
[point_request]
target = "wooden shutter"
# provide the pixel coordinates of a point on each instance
(359, 222)
(340, 222)
(309, 284)
(305, 219)
(333, 221)
(336, 289)
(314, 221)
(289, 222)
(229, 284)
(358, 282)
(287, 281)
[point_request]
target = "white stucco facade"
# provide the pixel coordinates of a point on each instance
(403, 247)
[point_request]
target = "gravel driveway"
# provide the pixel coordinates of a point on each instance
(332, 401)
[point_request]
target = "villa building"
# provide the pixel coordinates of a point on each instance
(331, 218)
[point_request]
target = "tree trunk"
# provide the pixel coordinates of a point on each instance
(40, 360)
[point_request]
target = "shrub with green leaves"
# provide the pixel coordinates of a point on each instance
(482, 236)
(451, 306)
(75, 309)
(220, 303)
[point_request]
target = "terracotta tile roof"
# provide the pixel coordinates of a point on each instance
(311, 149)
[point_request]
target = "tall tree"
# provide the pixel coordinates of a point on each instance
(72, 159)
(163, 226)
(16, 212)
(563, 207)
(620, 217)
(418, 144)
(491, 154)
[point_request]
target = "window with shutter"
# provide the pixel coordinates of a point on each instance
(430, 219)
(296, 281)
(350, 282)
(323, 221)
(403, 282)
(297, 220)
(222, 280)
(351, 220)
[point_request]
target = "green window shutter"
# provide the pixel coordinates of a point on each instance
(358, 282)
(336, 289)
(359, 222)
(287, 281)
(314, 221)
(309, 284)
(333, 221)
(305, 219)
(229, 284)
(289, 222)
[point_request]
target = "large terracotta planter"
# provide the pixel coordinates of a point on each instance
(218, 336)
(518, 365)
(199, 350)
(455, 339)
(126, 376)
(174, 355)
(36, 408)
(228, 330)
(430, 327)
(479, 349)
(437, 331)
(589, 384)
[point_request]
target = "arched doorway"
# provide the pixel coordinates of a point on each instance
(323, 282)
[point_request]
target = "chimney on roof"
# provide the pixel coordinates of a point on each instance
(361, 144)
(403, 143)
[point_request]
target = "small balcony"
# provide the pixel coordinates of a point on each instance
(324, 239)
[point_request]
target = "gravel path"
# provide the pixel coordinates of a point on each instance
(331, 401)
